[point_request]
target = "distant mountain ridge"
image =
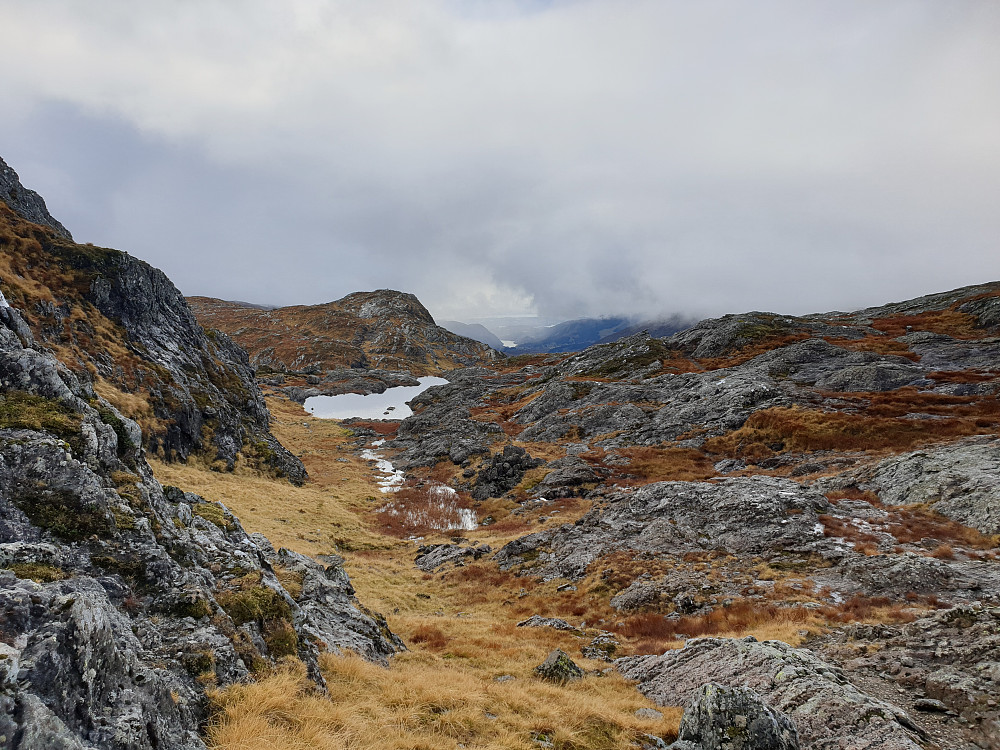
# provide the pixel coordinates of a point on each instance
(383, 329)
(576, 335)
(476, 331)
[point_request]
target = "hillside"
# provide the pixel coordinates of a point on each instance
(124, 603)
(118, 321)
(383, 330)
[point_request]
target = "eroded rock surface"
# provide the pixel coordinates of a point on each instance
(828, 711)
(733, 718)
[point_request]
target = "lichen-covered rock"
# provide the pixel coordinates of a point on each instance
(537, 621)
(825, 707)
(958, 480)
(502, 472)
(120, 602)
(951, 656)
(558, 667)
(734, 718)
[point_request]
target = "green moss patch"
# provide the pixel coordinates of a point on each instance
(39, 572)
(26, 411)
(63, 514)
(253, 602)
(213, 514)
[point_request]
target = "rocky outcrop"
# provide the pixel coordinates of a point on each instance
(502, 472)
(384, 330)
(946, 667)
(120, 322)
(824, 706)
(537, 621)
(442, 426)
(122, 602)
(745, 516)
(431, 557)
(27, 203)
(733, 718)
(958, 480)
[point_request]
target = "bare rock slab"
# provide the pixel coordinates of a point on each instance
(828, 711)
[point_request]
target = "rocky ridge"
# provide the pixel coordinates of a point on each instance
(27, 203)
(121, 323)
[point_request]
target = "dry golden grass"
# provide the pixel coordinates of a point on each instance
(460, 627)
(426, 703)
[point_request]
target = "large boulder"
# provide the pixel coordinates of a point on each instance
(724, 718)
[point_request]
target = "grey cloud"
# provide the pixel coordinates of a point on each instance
(574, 158)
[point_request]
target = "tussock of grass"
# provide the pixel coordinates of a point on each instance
(660, 464)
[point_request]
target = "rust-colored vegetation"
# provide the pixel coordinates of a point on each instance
(880, 425)
(876, 344)
(653, 633)
(379, 427)
(429, 636)
(948, 322)
(659, 464)
(420, 510)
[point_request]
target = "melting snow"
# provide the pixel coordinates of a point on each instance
(392, 478)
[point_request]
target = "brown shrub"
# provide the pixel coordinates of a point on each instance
(781, 429)
(962, 377)
(378, 427)
(431, 636)
(742, 615)
(944, 552)
(877, 344)
(861, 607)
(913, 523)
(420, 510)
(949, 322)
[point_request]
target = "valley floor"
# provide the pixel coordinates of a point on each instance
(465, 680)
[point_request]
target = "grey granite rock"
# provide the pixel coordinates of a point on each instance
(825, 707)
(734, 718)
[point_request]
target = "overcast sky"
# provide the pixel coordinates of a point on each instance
(565, 158)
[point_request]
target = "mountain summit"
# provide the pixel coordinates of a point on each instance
(384, 329)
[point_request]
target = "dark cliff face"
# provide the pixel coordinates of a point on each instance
(120, 602)
(119, 321)
(27, 203)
